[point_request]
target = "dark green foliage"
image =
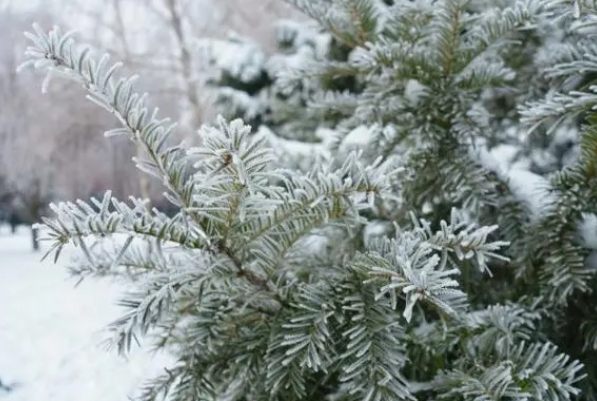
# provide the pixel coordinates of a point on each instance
(259, 101)
(457, 107)
(420, 268)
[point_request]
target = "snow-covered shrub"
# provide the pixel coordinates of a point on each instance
(418, 254)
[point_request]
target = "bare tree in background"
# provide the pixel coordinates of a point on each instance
(126, 27)
(44, 153)
(157, 38)
(24, 149)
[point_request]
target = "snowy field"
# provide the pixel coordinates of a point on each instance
(51, 332)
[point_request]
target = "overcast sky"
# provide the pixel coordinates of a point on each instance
(20, 4)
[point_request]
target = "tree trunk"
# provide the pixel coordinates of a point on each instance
(35, 238)
(13, 223)
(191, 88)
(35, 210)
(144, 185)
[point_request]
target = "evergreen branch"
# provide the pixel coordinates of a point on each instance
(134, 261)
(488, 334)
(316, 198)
(460, 179)
(484, 74)
(556, 106)
(514, 222)
(492, 27)
(157, 388)
(290, 79)
(374, 354)
(314, 9)
(213, 352)
(581, 60)
(411, 266)
(546, 373)
(307, 334)
(284, 373)
(589, 330)
(146, 308)
(57, 52)
(573, 8)
(587, 158)
(499, 328)
(364, 18)
(414, 59)
(562, 271)
(448, 27)
(534, 371)
(149, 306)
(360, 15)
(464, 239)
(282, 285)
(425, 281)
(492, 383)
(235, 172)
(342, 102)
(76, 222)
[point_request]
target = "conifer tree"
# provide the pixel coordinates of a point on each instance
(420, 266)
(243, 79)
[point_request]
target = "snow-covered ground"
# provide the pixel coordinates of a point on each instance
(51, 332)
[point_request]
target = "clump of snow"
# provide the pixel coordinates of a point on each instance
(281, 145)
(303, 34)
(307, 44)
(327, 136)
(294, 153)
(240, 100)
(528, 187)
(506, 156)
(427, 208)
(565, 134)
(375, 229)
(316, 243)
(358, 138)
(279, 63)
(588, 230)
(496, 163)
(591, 261)
(238, 57)
(565, 144)
(532, 189)
(414, 91)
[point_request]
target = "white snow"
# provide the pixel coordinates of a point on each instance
(532, 189)
(526, 186)
(588, 230)
(303, 34)
(414, 91)
(300, 154)
(505, 155)
(375, 229)
(252, 106)
(358, 137)
(237, 56)
(51, 333)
